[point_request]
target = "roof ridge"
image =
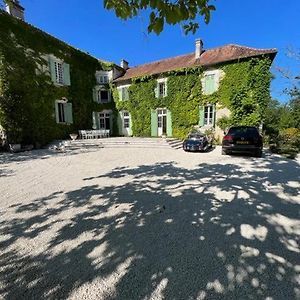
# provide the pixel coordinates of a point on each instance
(163, 59)
(251, 48)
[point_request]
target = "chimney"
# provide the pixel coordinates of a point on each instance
(124, 64)
(199, 48)
(14, 8)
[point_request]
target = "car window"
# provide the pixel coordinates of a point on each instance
(243, 131)
(195, 136)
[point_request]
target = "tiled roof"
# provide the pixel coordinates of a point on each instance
(209, 57)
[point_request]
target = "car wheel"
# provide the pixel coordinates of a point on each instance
(258, 153)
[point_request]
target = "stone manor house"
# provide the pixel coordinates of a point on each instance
(56, 89)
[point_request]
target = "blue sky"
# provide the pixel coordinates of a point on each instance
(254, 23)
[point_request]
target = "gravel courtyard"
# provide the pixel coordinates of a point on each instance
(148, 223)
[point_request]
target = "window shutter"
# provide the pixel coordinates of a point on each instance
(166, 89)
(95, 94)
(214, 115)
(56, 112)
(153, 122)
(52, 69)
(209, 84)
(66, 70)
(68, 113)
(120, 90)
(109, 96)
(201, 115)
(169, 123)
(156, 91)
(120, 123)
(94, 126)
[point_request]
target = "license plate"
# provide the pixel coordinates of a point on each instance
(242, 142)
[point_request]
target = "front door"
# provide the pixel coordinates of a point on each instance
(104, 120)
(161, 122)
(126, 123)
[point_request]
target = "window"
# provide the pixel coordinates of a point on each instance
(104, 120)
(208, 115)
(59, 71)
(59, 77)
(103, 79)
(63, 111)
(161, 89)
(103, 96)
(126, 119)
(125, 94)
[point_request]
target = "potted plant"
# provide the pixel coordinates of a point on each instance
(73, 136)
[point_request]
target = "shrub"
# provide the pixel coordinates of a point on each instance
(287, 143)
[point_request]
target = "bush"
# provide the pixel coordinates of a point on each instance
(287, 143)
(224, 123)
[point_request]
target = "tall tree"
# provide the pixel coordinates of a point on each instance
(161, 12)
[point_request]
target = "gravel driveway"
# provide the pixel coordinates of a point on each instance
(124, 223)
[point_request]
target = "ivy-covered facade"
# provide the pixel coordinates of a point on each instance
(49, 89)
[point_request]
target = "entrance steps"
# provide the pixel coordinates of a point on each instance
(123, 142)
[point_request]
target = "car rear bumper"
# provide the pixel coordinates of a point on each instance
(241, 148)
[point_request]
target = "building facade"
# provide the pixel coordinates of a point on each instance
(49, 89)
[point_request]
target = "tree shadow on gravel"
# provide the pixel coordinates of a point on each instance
(214, 232)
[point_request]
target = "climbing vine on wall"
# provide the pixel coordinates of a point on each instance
(244, 89)
(27, 110)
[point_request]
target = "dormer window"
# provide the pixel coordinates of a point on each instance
(103, 77)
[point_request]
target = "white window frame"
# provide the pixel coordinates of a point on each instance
(159, 82)
(61, 103)
(120, 90)
(100, 75)
(59, 72)
(216, 74)
(99, 99)
(209, 111)
(126, 119)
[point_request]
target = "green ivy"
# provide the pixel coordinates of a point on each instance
(27, 103)
(244, 90)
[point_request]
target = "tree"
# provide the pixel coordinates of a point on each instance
(163, 12)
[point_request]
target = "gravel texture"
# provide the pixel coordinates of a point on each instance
(148, 223)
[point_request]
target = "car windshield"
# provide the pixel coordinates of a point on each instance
(195, 136)
(249, 131)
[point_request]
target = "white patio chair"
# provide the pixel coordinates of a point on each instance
(82, 134)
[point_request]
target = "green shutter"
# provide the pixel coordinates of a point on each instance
(68, 113)
(120, 123)
(94, 118)
(156, 91)
(153, 122)
(201, 116)
(214, 115)
(95, 94)
(209, 84)
(169, 123)
(166, 88)
(66, 70)
(52, 69)
(56, 112)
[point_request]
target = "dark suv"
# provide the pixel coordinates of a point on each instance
(242, 139)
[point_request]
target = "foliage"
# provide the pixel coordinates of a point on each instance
(244, 89)
(288, 142)
(163, 12)
(224, 123)
(27, 110)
